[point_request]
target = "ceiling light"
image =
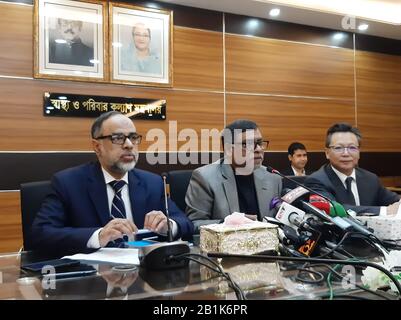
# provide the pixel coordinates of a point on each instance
(253, 23)
(274, 12)
(338, 36)
(363, 27)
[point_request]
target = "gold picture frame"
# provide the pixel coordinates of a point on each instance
(71, 40)
(141, 41)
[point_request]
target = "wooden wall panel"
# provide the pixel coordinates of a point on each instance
(198, 59)
(194, 67)
(380, 126)
(394, 181)
(378, 78)
(16, 38)
(10, 222)
(25, 127)
(271, 66)
(379, 100)
(285, 120)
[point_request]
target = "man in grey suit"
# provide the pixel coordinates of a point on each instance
(236, 183)
(343, 181)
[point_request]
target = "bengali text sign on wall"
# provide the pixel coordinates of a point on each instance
(73, 105)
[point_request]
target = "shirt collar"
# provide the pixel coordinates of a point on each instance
(342, 176)
(293, 170)
(109, 178)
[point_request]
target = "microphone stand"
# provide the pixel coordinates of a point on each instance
(160, 256)
(169, 232)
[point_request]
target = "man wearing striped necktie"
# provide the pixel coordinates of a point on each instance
(95, 204)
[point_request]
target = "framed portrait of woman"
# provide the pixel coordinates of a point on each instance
(140, 45)
(70, 40)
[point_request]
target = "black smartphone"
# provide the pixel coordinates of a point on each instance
(56, 263)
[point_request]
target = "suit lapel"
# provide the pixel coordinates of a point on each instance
(263, 191)
(230, 187)
(137, 198)
(98, 192)
(339, 189)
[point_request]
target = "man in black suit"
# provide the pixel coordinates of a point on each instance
(298, 158)
(343, 181)
(69, 49)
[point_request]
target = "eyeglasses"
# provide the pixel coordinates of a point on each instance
(340, 149)
(119, 138)
(251, 145)
(143, 35)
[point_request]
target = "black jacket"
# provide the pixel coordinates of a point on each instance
(372, 194)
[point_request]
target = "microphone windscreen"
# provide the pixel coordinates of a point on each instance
(321, 203)
(299, 193)
(275, 202)
(325, 206)
(339, 210)
(316, 198)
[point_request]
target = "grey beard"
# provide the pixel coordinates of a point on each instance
(123, 167)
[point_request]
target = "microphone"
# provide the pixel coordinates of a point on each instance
(272, 170)
(169, 232)
(358, 226)
(161, 256)
(337, 214)
(292, 216)
(337, 221)
(321, 204)
(287, 214)
(301, 192)
(338, 211)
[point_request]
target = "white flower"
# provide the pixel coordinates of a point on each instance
(374, 278)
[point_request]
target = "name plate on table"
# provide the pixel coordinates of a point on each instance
(74, 105)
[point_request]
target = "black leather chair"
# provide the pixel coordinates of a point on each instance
(32, 196)
(179, 181)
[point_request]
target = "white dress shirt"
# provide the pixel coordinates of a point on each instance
(354, 188)
(296, 173)
(93, 241)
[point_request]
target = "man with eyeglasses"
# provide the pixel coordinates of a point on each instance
(343, 181)
(138, 56)
(97, 204)
(236, 183)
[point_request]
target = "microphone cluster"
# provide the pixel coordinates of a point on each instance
(310, 220)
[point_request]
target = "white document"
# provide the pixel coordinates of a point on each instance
(112, 255)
